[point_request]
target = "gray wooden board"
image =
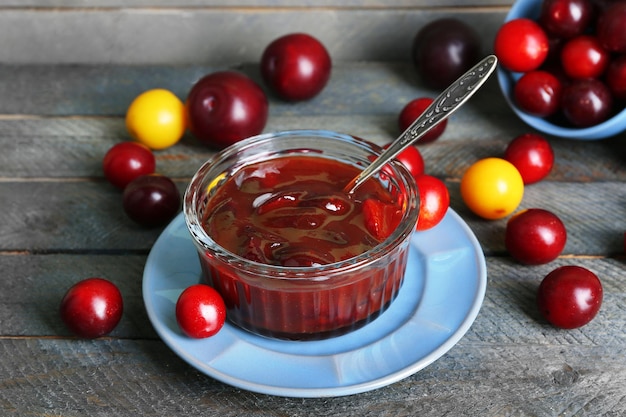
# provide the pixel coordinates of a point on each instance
(259, 4)
(33, 286)
(44, 216)
(74, 147)
(68, 216)
(36, 283)
(198, 35)
(355, 88)
(509, 363)
(129, 378)
(363, 99)
(62, 222)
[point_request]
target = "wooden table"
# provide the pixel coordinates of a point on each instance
(67, 75)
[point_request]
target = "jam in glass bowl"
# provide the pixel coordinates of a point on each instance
(293, 255)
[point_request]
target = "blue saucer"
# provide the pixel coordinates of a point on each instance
(446, 266)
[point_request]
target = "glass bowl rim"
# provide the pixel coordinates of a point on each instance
(306, 273)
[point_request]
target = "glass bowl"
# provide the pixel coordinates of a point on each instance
(302, 302)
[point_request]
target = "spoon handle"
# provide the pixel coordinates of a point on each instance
(441, 108)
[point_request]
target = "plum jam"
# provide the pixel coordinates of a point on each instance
(292, 254)
(292, 212)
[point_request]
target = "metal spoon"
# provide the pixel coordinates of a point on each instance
(442, 107)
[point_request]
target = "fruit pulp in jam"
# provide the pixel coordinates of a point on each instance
(292, 212)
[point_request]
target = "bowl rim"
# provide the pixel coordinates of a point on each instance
(610, 127)
(397, 239)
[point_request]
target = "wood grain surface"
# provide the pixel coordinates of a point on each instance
(222, 33)
(62, 108)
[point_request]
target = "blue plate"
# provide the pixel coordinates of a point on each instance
(446, 266)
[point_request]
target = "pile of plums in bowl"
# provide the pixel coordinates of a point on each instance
(563, 66)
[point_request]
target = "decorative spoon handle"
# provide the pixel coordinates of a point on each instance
(441, 108)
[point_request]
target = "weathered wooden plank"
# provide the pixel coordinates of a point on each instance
(34, 285)
(126, 378)
(510, 361)
(355, 102)
(68, 216)
(354, 88)
(509, 314)
(82, 215)
(219, 35)
(62, 222)
(593, 214)
(74, 147)
(70, 90)
(388, 4)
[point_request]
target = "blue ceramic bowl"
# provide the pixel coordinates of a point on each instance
(613, 126)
